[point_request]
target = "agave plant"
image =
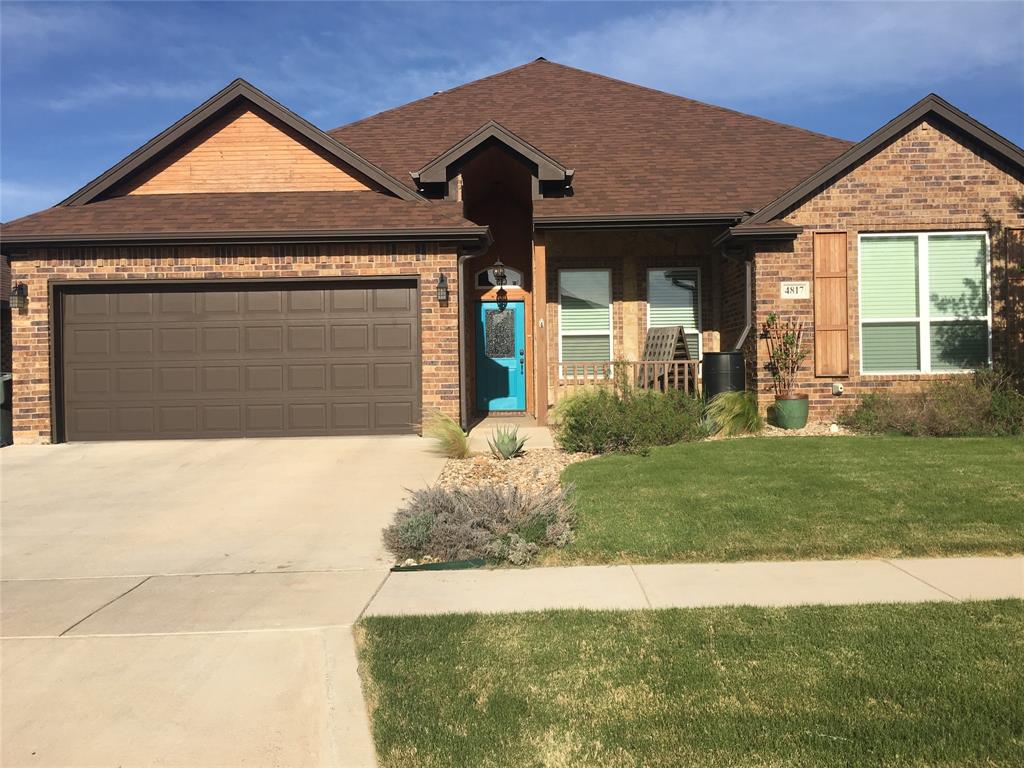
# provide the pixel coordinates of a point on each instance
(506, 443)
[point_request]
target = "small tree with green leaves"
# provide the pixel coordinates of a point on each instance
(786, 352)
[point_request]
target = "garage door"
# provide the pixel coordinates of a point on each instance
(240, 360)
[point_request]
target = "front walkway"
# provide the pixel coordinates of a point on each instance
(692, 585)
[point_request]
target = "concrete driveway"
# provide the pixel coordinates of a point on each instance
(189, 603)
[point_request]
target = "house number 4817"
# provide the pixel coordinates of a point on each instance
(795, 290)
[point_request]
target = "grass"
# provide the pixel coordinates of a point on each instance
(911, 685)
(792, 498)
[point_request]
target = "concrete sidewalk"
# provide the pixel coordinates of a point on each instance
(692, 585)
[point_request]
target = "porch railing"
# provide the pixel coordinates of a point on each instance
(566, 378)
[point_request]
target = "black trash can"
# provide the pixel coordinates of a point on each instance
(723, 372)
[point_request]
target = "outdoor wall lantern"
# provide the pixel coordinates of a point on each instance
(19, 297)
(498, 270)
(442, 288)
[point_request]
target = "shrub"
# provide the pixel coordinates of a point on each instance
(601, 421)
(786, 352)
(506, 443)
(503, 523)
(451, 440)
(987, 403)
(734, 413)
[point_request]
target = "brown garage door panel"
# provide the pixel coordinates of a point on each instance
(217, 361)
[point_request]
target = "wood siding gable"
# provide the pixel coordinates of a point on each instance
(244, 150)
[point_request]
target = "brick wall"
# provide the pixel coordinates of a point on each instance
(32, 335)
(927, 179)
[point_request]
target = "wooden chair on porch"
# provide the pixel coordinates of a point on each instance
(665, 344)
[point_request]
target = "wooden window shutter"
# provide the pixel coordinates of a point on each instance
(831, 317)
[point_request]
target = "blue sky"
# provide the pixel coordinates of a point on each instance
(84, 84)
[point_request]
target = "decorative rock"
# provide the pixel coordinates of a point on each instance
(533, 470)
(813, 429)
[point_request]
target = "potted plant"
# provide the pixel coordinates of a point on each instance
(786, 353)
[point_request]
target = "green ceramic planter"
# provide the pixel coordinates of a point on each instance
(791, 412)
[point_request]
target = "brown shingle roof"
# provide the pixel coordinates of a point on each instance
(240, 215)
(635, 150)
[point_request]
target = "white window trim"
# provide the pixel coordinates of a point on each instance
(925, 318)
(699, 309)
(611, 317)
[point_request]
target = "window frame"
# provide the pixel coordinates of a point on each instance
(698, 310)
(924, 317)
(611, 317)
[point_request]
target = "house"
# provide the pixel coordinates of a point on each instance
(246, 273)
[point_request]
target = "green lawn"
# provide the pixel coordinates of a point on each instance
(911, 685)
(801, 497)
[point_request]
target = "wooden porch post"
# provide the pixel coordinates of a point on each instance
(631, 330)
(540, 334)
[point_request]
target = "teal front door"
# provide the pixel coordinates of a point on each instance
(500, 356)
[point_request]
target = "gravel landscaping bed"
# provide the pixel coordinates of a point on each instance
(535, 469)
(813, 429)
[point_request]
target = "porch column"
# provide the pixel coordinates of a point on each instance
(631, 330)
(540, 334)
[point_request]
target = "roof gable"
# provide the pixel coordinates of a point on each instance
(442, 167)
(236, 94)
(930, 106)
(243, 150)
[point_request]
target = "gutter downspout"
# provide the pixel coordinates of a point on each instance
(748, 306)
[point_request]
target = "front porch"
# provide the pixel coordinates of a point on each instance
(584, 302)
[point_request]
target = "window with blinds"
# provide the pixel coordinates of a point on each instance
(673, 298)
(584, 315)
(924, 302)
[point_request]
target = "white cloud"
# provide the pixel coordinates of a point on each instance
(739, 54)
(817, 51)
(101, 91)
(31, 32)
(18, 198)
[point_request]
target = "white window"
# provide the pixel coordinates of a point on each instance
(584, 316)
(673, 298)
(924, 302)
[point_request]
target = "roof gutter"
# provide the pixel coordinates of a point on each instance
(453, 235)
(637, 221)
(761, 233)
